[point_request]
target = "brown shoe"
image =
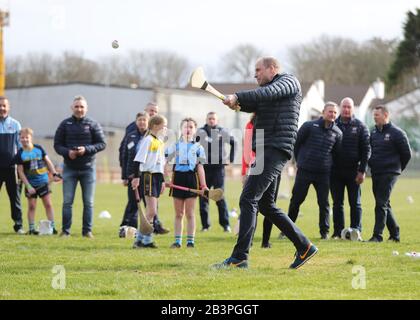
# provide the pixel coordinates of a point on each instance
(88, 235)
(161, 230)
(64, 234)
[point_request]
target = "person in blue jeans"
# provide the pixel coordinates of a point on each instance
(78, 139)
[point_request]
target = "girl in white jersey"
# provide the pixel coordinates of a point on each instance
(149, 166)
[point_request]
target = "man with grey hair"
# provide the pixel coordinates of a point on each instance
(317, 141)
(349, 169)
(276, 104)
(78, 139)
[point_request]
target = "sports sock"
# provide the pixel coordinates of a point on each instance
(139, 236)
(147, 238)
(190, 239)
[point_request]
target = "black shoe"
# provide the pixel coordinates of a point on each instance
(300, 260)
(231, 263)
(266, 245)
(175, 245)
(394, 239)
(88, 234)
(64, 234)
(55, 231)
(227, 229)
(324, 236)
(375, 239)
(122, 231)
(161, 230)
(190, 245)
(150, 245)
(138, 245)
(33, 232)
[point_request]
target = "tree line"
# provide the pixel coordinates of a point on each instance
(335, 60)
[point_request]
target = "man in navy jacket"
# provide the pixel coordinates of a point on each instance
(78, 139)
(390, 155)
(317, 142)
(276, 104)
(349, 169)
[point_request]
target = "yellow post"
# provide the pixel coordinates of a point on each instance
(2, 64)
(4, 21)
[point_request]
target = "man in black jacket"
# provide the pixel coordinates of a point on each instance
(276, 105)
(78, 139)
(129, 150)
(213, 138)
(390, 155)
(317, 141)
(349, 169)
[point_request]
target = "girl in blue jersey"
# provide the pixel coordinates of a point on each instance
(33, 167)
(188, 172)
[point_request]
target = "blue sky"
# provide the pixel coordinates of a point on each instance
(199, 30)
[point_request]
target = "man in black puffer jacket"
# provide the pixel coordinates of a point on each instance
(78, 139)
(390, 155)
(349, 169)
(128, 151)
(316, 143)
(214, 138)
(276, 105)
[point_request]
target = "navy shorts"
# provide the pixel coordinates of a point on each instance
(41, 191)
(151, 184)
(187, 179)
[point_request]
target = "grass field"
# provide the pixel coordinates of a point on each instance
(107, 268)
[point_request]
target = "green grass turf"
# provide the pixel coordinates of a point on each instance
(107, 268)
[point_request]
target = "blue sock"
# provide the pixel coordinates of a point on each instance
(139, 236)
(31, 226)
(147, 238)
(178, 240)
(190, 239)
(52, 224)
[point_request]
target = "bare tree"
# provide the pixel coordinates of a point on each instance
(141, 68)
(239, 63)
(146, 69)
(342, 61)
(158, 68)
(72, 66)
(14, 69)
(33, 69)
